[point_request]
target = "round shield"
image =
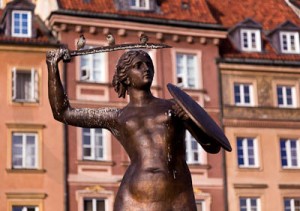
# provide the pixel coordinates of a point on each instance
(199, 116)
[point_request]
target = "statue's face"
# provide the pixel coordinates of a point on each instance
(141, 74)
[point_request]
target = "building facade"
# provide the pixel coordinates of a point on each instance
(238, 59)
(259, 69)
(31, 142)
(96, 161)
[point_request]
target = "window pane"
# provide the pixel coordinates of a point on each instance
(17, 208)
(186, 68)
(240, 151)
(133, 3)
(86, 136)
(283, 153)
(86, 139)
(287, 205)
(87, 152)
(100, 205)
(193, 151)
(24, 86)
(17, 151)
(237, 95)
(88, 205)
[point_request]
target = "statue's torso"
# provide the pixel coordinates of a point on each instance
(154, 140)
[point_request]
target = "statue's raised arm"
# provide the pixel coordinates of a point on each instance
(61, 109)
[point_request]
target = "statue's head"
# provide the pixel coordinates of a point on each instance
(125, 63)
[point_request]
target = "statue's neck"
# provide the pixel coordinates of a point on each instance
(140, 97)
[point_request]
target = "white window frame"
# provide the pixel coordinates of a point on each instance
(29, 23)
(24, 150)
(94, 203)
(202, 204)
(182, 70)
(284, 96)
(291, 203)
(245, 148)
(289, 154)
(248, 203)
(253, 45)
(93, 134)
(90, 69)
(288, 41)
(190, 152)
(242, 94)
(137, 5)
(34, 85)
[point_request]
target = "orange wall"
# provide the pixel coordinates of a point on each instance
(49, 182)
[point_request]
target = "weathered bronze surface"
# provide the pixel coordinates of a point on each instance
(206, 125)
(150, 129)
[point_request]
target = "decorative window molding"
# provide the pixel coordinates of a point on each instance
(194, 152)
(243, 94)
(250, 204)
(25, 201)
(291, 204)
(290, 153)
(93, 67)
(90, 195)
(21, 23)
(24, 147)
(203, 199)
(188, 73)
(251, 40)
(289, 42)
(200, 204)
(247, 152)
(286, 96)
(25, 85)
(139, 4)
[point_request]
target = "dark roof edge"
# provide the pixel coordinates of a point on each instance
(139, 19)
(268, 62)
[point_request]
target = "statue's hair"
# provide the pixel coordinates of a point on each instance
(121, 72)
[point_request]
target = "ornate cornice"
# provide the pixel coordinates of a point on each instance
(254, 123)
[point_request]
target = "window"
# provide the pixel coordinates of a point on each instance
(286, 96)
(92, 67)
(250, 40)
(139, 4)
(93, 144)
(249, 204)
(24, 150)
(193, 150)
(247, 152)
(186, 70)
(21, 23)
(94, 204)
(289, 42)
(24, 208)
(243, 94)
(24, 85)
(200, 204)
(290, 153)
(292, 204)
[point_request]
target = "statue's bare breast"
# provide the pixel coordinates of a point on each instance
(158, 172)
